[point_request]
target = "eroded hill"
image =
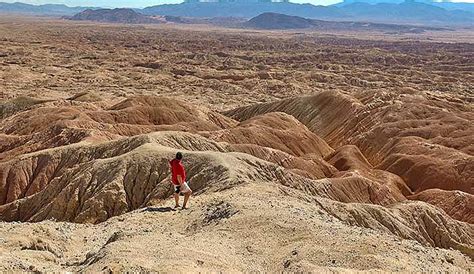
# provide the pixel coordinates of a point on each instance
(357, 166)
(92, 179)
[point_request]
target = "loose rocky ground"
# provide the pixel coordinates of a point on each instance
(258, 227)
(306, 151)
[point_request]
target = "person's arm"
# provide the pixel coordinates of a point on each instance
(180, 174)
(180, 179)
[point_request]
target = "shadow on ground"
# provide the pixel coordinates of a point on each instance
(158, 209)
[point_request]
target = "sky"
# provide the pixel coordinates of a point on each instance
(147, 3)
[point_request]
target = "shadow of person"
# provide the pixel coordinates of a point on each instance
(158, 209)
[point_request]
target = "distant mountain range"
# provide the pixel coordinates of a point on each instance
(48, 10)
(443, 4)
(388, 11)
(405, 12)
(246, 10)
(268, 20)
(408, 11)
(282, 21)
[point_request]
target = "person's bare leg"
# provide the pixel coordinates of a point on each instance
(176, 199)
(186, 198)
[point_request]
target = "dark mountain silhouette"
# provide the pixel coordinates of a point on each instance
(282, 21)
(271, 20)
(128, 16)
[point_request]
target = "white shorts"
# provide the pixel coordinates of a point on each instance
(183, 189)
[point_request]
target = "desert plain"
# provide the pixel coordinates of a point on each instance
(307, 151)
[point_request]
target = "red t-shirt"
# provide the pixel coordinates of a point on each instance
(177, 169)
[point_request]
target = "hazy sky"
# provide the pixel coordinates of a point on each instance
(145, 3)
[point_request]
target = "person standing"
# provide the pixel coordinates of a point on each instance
(178, 179)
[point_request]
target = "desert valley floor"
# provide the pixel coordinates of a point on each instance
(307, 151)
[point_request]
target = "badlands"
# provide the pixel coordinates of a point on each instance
(306, 151)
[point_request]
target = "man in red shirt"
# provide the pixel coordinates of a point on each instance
(178, 178)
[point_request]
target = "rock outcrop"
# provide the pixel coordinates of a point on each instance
(306, 152)
(458, 204)
(86, 181)
(427, 142)
(52, 126)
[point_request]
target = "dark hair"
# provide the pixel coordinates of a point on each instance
(179, 156)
